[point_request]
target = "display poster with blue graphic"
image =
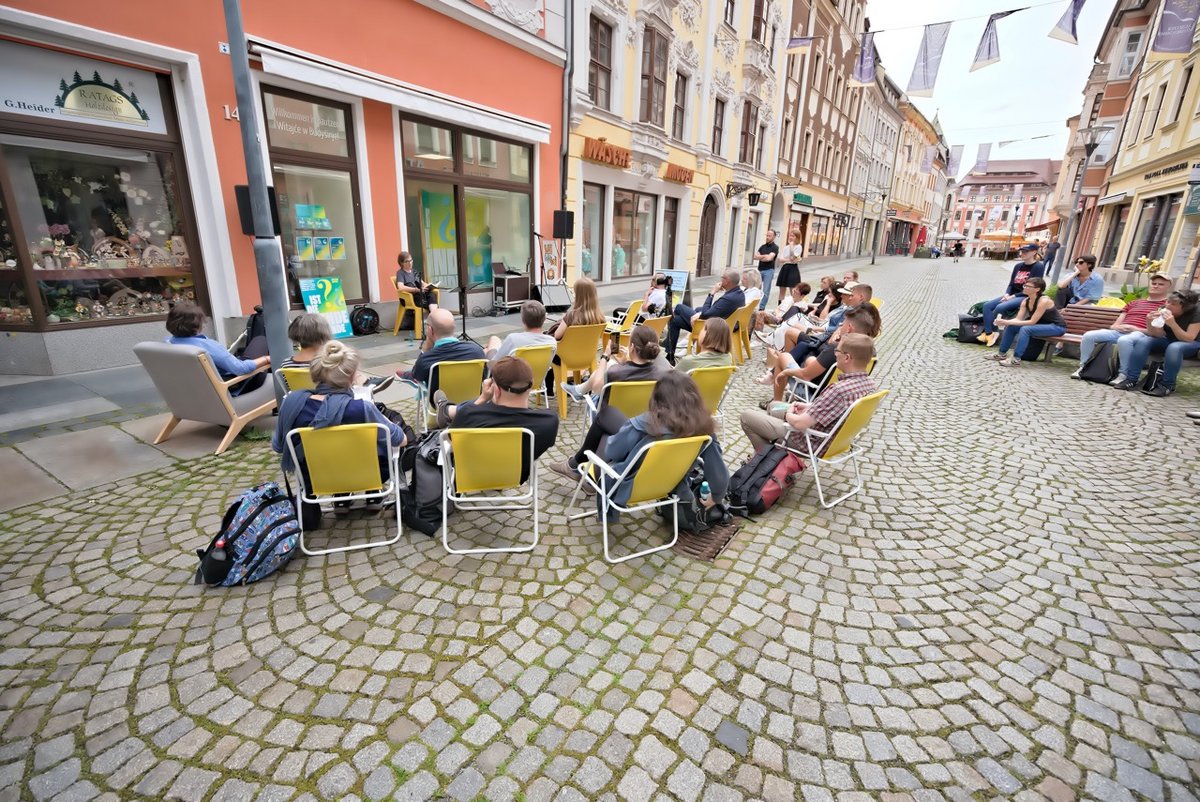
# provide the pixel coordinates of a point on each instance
(323, 296)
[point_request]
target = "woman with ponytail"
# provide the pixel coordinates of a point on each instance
(643, 362)
(332, 402)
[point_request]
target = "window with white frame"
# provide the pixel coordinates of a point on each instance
(680, 111)
(1127, 59)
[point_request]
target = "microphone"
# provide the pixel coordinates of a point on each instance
(536, 234)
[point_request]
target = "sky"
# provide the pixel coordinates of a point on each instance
(1033, 89)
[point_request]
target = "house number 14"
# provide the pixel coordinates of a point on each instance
(231, 113)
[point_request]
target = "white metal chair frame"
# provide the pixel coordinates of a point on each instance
(805, 391)
(594, 401)
(718, 415)
(524, 501)
(607, 504)
(424, 396)
(814, 441)
(391, 487)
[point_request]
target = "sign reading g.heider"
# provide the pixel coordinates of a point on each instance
(70, 88)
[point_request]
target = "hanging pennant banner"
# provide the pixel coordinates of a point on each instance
(981, 157)
(927, 159)
(956, 153)
(988, 51)
(929, 60)
(1176, 27)
(799, 45)
(864, 68)
(1065, 30)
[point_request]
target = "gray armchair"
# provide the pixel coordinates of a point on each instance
(188, 382)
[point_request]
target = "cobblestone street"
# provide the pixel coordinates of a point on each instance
(1010, 610)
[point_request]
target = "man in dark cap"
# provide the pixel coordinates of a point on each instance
(1027, 268)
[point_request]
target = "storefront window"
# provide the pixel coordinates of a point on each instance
(1156, 220)
(752, 238)
(488, 158)
(103, 226)
(1116, 228)
(670, 227)
(427, 147)
(592, 257)
(633, 233)
(319, 228)
(316, 185)
(818, 235)
(432, 234)
(14, 304)
(498, 225)
(734, 227)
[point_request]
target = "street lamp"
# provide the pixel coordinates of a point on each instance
(879, 228)
(1090, 138)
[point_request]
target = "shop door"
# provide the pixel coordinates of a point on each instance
(708, 232)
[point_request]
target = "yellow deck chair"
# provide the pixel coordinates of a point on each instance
(407, 305)
(659, 324)
(624, 322)
(295, 379)
(877, 302)
(631, 398)
(806, 391)
(343, 465)
(832, 449)
(476, 462)
(655, 470)
(739, 327)
(576, 353)
(538, 357)
(714, 384)
(694, 337)
(460, 380)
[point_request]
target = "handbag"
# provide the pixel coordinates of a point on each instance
(969, 328)
(1102, 365)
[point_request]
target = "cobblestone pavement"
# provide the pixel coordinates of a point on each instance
(1010, 611)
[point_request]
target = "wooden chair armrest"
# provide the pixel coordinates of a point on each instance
(243, 377)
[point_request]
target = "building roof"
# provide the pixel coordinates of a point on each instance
(1016, 171)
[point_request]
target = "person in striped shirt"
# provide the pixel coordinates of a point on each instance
(1132, 321)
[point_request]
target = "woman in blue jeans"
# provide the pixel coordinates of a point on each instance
(1036, 318)
(1173, 332)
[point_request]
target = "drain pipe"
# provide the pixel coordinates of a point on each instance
(568, 95)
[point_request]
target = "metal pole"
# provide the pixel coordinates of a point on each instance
(1065, 244)
(879, 228)
(267, 257)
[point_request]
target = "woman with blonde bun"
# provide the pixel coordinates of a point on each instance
(331, 403)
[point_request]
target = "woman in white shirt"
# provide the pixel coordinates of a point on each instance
(752, 285)
(789, 259)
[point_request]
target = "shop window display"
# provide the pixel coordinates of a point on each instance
(634, 216)
(102, 227)
(14, 304)
(593, 231)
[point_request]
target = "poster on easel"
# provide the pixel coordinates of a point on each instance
(550, 266)
(323, 296)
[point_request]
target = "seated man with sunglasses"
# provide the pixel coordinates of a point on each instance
(1084, 286)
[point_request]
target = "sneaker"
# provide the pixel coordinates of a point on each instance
(983, 337)
(1128, 384)
(1121, 379)
(341, 508)
(1078, 374)
(1161, 391)
(574, 392)
(763, 338)
(380, 383)
(1193, 413)
(373, 507)
(1010, 362)
(992, 338)
(995, 357)
(767, 379)
(1058, 349)
(441, 403)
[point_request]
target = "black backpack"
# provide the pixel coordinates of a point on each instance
(969, 328)
(256, 326)
(1102, 365)
(694, 517)
(763, 480)
(364, 320)
(421, 501)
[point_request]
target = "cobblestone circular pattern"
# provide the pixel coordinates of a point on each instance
(1009, 611)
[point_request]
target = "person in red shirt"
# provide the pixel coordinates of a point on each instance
(1132, 320)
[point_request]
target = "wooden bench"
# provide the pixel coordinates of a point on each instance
(1080, 320)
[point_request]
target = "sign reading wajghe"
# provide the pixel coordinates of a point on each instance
(598, 150)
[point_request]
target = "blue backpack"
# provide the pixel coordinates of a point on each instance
(259, 535)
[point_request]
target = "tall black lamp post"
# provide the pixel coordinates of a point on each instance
(1090, 138)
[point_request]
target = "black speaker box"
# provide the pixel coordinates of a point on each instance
(555, 297)
(242, 192)
(564, 224)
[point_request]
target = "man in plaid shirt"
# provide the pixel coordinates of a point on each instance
(854, 353)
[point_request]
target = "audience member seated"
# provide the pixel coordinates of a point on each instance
(440, 345)
(533, 318)
(1173, 332)
(185, 322)
(654, 302)
(334, 368)
(827, 288)
(1133, 319)
(715, 344)
(803, 344)
(421, 293)
(1084, 286)
(309, 331)
(584, 311)
(1029, 267)
(1037, 317)
(783, 366)
(850, 277)
(792, 305)
(853, 355)
(752, 288)
(644, 362)
(731, 299)
(503, 403)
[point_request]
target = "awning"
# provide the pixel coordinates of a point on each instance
(1115, 197)
(1043, 226)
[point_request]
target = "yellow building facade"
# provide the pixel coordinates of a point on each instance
(673, 136)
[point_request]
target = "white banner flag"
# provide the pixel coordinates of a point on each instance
(1065, 30)
(988, 51)
(929, 60)
(981, 157)
(956, 153)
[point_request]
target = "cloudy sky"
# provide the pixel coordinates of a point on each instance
(1032, 90)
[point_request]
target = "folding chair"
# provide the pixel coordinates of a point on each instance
(739, 327)
(631, 398)
(658, 324)
(460, 380)
(655, 470)
(343, 465)
(714, 385)
(295, 379)
(836, 447)
(476, 461)
(407, 304)
(694, 337)
(624, 321)
(806, 391)
(538, 357)
(576, 353)
(877, 302)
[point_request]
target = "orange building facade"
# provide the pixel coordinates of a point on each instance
(121, 151)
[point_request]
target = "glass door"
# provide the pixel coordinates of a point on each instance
(319, 227)
(433, 234)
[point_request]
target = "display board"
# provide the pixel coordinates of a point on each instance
(323, 296)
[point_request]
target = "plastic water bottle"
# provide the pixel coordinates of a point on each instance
(705, 492)
(218, 552)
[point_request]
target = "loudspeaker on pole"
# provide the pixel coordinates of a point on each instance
(564, 224)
